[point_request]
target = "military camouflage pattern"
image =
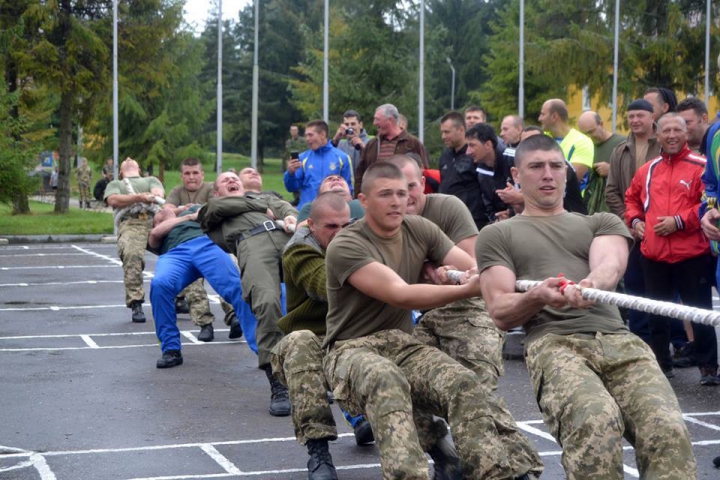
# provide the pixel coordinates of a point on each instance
(226, 307)
(84, 177)
(593, 389)
(386, 373)
(465, 331)
(131, 243)
(297, 362)
(197, 300)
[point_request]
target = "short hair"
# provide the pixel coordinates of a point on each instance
(329, 200)
(190, 162)
(694, 104)
(352, 113)
(400, 160)
(380, 170)
(533, 128)
(483, 132)
(535, 143)
(318, 126)
(669, 116)
(389, 110)
(476, 108)
(559, 107)
(665, 95)
(457, 119)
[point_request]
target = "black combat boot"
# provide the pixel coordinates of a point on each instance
(235, 328)
(320, 466)
(169, 359)
(207, 334)
(280, 399)
(138, 316)
(363, 433)
(447, 462)
(87, 205)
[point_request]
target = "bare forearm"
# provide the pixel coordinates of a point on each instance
(425, 296)
(122, 201)
(159, 232)
(514, 309)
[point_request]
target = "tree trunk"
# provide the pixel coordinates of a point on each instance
(19, 202)
(67, 104)
(62, 197)
(161, 172)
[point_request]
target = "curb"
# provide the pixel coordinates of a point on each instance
(21, 239)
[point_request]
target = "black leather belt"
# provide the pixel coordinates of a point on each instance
(266, 226)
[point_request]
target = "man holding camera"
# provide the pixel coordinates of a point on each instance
(351, 137)
(306, 172)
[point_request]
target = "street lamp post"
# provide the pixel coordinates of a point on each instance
(452, 85)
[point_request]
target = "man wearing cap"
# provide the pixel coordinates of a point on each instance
(625, 160)
(663, 100)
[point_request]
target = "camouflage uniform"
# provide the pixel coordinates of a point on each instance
(198, 303)
(83, 174)
(594, 388)
(297, 362)
(131, 242)
(384, 374)
(465, 331)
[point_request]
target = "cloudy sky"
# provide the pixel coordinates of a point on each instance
(196, 11)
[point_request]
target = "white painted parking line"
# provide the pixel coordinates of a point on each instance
(690, 419)
(45, 284)
(90, 342)
(190, 337)
(99, 255)
(112, 347)
(56, 267)
(16, 255)
(72, 335)
(56, 308)
(226, 464)
(38, 461)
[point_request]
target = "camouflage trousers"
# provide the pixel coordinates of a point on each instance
(387, 373)
(131, 242)
(465, 331)
(593, 389)
(297, 362)
(197, 299)
(84, 191)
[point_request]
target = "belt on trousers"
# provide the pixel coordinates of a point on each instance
(266, 226)
(137, 216)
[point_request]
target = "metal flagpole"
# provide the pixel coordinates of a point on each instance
(254, 128)
(521, 63)
(421, 74)
(218, 154)
(326, 53)
(116, 160)
(615, 66)
(707, 54)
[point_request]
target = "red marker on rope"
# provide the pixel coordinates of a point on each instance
(564, 283)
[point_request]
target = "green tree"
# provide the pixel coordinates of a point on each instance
(70, 57)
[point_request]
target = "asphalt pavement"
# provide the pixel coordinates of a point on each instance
(81, 397)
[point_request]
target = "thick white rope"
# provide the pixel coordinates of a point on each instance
(655, 307)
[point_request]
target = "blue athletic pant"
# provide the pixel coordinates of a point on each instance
(177, 269)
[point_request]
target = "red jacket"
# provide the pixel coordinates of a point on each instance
(669, 185)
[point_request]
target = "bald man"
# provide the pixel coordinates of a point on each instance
(133, 200)
(578, 148)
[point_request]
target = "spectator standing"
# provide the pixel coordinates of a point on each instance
(592, 125)
(306, 173)
(663, 100)
(351, 136)
(390, 139)
(625, 160)
(83, 175)
(578, 148)
(474, 115)
(662, 208)
(695, 114)
(108, 169)
(295, 143)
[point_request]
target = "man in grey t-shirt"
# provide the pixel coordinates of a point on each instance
(594, 381)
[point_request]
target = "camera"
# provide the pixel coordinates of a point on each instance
(349, 131)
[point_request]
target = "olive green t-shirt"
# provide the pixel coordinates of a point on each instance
(536, 248)
(181, 196)
(351, 313)
(450, 214)
(139, 185)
